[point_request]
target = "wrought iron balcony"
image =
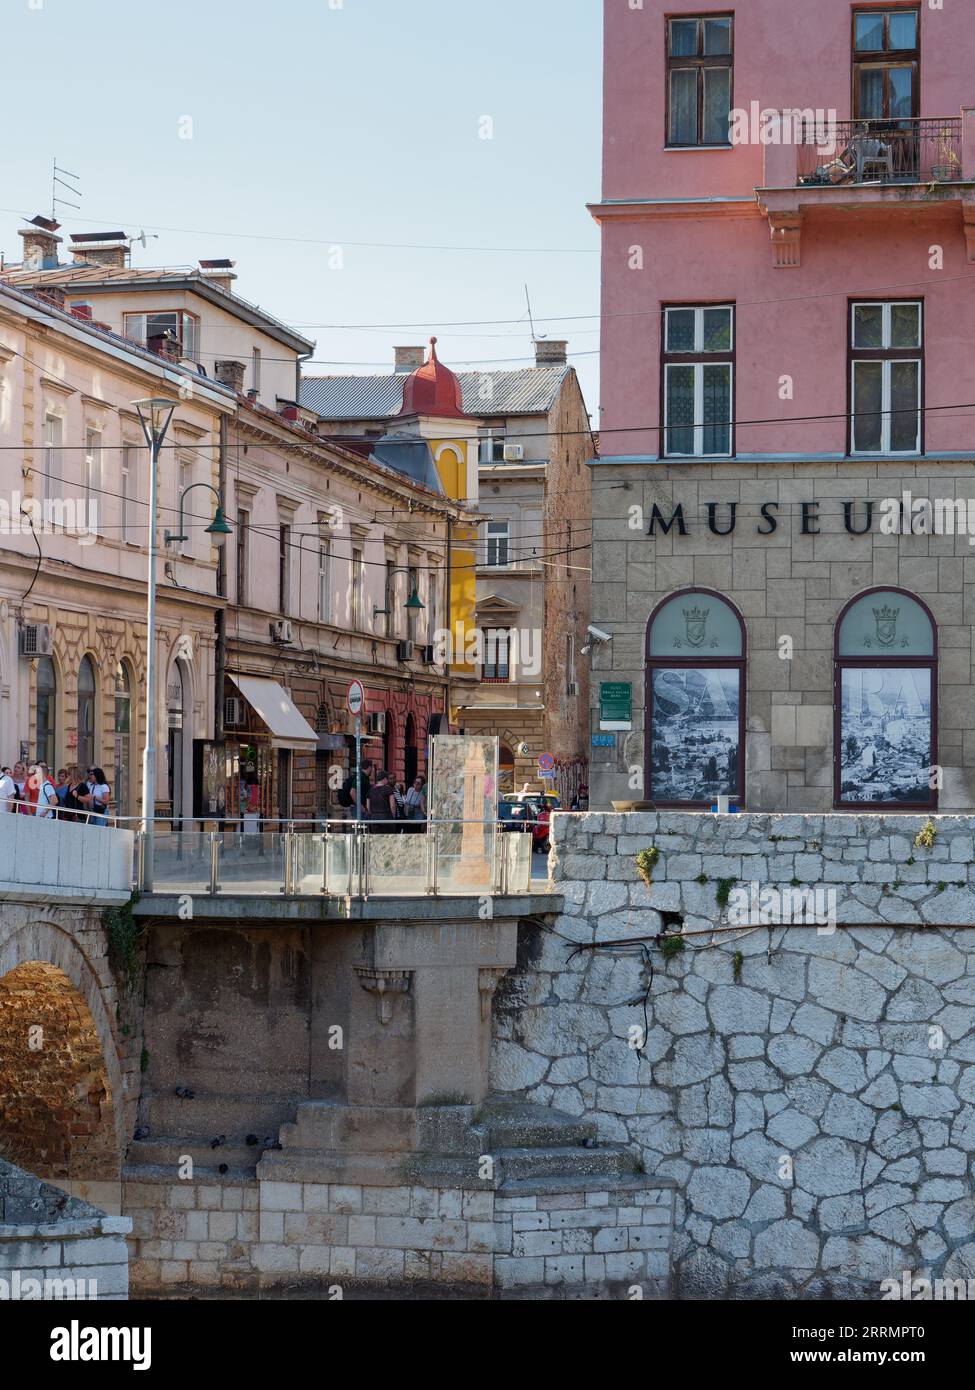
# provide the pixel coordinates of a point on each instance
(923, 150)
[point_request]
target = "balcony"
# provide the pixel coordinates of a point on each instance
(878, 168)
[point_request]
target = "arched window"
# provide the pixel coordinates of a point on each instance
(506, 769)
(695, 701)
(47, 711)
(123, 735)
(886, 700)
(86, 713)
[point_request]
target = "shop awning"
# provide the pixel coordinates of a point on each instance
(277, 711)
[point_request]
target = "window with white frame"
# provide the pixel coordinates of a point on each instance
(184, 481)
(357, 585)
(145, 328)
(497, 550)
(130, 494)
(52, 482)
(93, 478)
(698, 380)
(497, 654)
(325, 581)
(886, 376)
(491, 446)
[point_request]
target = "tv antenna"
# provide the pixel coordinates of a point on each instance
(58, 182)
(531, 323)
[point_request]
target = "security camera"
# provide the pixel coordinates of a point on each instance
(597, 634)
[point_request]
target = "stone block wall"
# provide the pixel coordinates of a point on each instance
(53, 1246)
(233, 1235)
(810, 1091)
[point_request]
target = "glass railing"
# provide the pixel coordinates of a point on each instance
(346, 859)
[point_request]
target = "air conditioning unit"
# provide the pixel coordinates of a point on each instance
(428, 655)
(404, 651)
(376, 723)
(281, 631)
(36, 639)
(233, 712)
(514, 453)
(572, 688)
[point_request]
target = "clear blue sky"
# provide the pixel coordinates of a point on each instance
(358, 123)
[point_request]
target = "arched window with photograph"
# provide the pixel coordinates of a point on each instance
(86, 713)
(886, 703)
(695, 701)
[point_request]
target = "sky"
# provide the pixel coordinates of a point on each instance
(284, 135)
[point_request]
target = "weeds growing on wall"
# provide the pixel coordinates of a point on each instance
(926, 836)
(124, 934)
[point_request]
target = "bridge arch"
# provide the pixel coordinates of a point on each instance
(62, 1089)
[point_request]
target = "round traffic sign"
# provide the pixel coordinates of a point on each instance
(356, 698)
(546, 763)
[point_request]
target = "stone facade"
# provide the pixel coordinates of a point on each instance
(786, 585)
(810, 1090)
(245, 1236)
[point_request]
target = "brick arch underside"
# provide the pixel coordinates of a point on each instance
(60, 1078)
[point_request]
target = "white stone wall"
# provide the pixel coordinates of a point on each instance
(811, 1092)
(53, 1246)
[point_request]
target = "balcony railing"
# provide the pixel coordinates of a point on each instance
(346, 859)
(925, 150)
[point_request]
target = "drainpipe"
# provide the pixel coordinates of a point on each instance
(450, 614)
(220, 663)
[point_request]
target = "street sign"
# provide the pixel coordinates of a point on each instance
(604, 740)
(356, 698)
(616, 705)
(546, 764)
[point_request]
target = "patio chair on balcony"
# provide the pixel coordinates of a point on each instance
(874, 159)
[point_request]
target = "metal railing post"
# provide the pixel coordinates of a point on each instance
(325, 840)
(140, 860)
(214, 863)
(287, 887)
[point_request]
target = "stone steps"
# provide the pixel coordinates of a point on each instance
(526, 1126)
(166, 1151)
(568, 1163)
(210, 1114)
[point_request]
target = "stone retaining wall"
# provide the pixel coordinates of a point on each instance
(233, 1235)
(53, 1246)
(810, 1091)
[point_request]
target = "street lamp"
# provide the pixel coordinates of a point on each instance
(412, 605)
(219, 527)
(155, 416)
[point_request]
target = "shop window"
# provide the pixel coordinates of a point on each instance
(886, 695)
(695, 701)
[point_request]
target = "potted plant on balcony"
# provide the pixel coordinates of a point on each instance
(949, 164)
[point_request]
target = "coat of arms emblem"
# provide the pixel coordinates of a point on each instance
(885, 629)
(695, 627)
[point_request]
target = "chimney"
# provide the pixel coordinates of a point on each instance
(407, 359)
(40, 244)
(220, 273)
(165, 345)
(109, 249)
(231, 374)
(551, 352)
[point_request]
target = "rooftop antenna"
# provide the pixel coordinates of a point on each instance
(58, 182)
(143, 239)
(531, 323)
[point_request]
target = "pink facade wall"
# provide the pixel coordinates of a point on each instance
(788, 53)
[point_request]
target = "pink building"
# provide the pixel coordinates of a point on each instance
(788, 220)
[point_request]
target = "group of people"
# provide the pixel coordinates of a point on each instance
(383, 799)
(30, 790)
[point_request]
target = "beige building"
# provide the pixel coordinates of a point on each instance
(73, 548)
(533, 581)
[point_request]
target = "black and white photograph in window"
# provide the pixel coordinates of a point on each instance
(885, 752)
(696, 732)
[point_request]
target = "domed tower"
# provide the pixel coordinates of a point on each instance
(433, 389)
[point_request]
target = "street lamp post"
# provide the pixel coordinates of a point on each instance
(155, 416)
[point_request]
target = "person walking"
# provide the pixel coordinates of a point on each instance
(8, 791)
(43, 793)
(416, 803)
(382, 801)
(20, 782)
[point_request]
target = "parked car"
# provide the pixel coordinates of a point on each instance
(513, 815)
